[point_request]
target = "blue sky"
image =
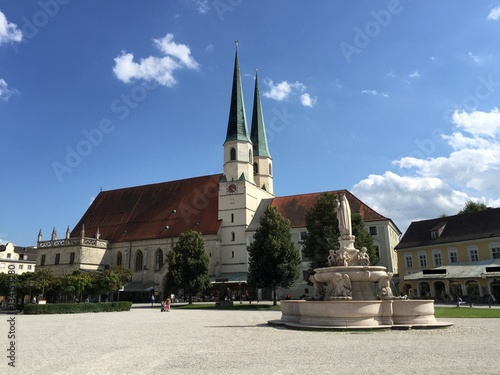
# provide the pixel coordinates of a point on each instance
(396, 101)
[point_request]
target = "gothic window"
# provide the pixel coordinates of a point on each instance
(119, 258)
(58, 258)
(158, 259)
(138, 260)
(270, 170)
(255, 168)
(250, 156)
(233, 154)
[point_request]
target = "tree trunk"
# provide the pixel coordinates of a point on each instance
(274, 296)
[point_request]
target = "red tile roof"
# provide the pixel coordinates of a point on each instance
(294, 207)
(145, 212)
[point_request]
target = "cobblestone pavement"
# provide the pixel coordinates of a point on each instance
(146, 341)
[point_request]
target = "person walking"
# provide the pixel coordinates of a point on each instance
(167, 304)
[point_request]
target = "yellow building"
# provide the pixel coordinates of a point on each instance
(451, 258)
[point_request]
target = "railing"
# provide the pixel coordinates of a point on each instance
(74, 242)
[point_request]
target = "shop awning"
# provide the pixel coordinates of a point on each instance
(229, 278)
(484, 269)
(136, 286)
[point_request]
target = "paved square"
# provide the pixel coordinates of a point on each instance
(146, 341)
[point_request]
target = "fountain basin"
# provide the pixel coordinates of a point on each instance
(340, 315)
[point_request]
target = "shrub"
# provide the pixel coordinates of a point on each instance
(75, 308)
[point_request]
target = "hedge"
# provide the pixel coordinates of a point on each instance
(74, 308)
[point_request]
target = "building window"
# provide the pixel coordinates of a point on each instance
(373, 231)
(8, 255)
(233, 154)
(232, 218)
(250, 156)
(29, 267)
(453, 255)
(436, 258)
(408, 261)
(255, 168)
(58, 258)
(473, 253)
(20, 266)
(138, 260)
(232, 254)
(119, 258)
(495, 251)
(270, 169)
(422, 259)
(233, 236)
(158, 259)
(71, 258)
(42, 261)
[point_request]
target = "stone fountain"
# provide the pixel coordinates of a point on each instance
(352, 294)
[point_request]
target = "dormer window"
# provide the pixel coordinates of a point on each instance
(437, 230)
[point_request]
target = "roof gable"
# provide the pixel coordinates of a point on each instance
(461, 227)
(154, 211)
(295, 207)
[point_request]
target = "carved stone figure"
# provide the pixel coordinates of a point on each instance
(363, 257)
(341, 285)
(319, 288)
(344, 216)
(384, 285)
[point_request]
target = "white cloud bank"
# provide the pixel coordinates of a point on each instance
(9, 32)
(436, 185)
(5, 91)
(494, 14)
(282, 91)
(159, 69)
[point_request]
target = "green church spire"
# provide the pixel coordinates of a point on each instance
(237, 126)
(258, 130)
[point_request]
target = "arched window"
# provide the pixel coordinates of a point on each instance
(232, 218)
(119, 258)
(270, 169)
(249, 156)
(158, 259)
(233, 236)
(255, 168)
(233, 154)
(138, 260)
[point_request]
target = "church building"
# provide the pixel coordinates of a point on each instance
(136, 227)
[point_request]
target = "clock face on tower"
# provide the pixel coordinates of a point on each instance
(231, 188)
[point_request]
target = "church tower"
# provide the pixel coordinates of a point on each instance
(262, 161)
(239, 192)
(238, 150)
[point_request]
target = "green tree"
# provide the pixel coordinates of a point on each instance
(274, 262)
(363, 238)
(322, 231)
(472, 206)
(188, 265)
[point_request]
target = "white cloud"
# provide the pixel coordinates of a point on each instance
(282, 91)
(414, 74)
(5, 92)
(159, 69)
(9, 32)
(202, 6)
(427, 187)
(474, 58)
(307, 101)
(209, 48)
(494, 14)
(374, 93)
